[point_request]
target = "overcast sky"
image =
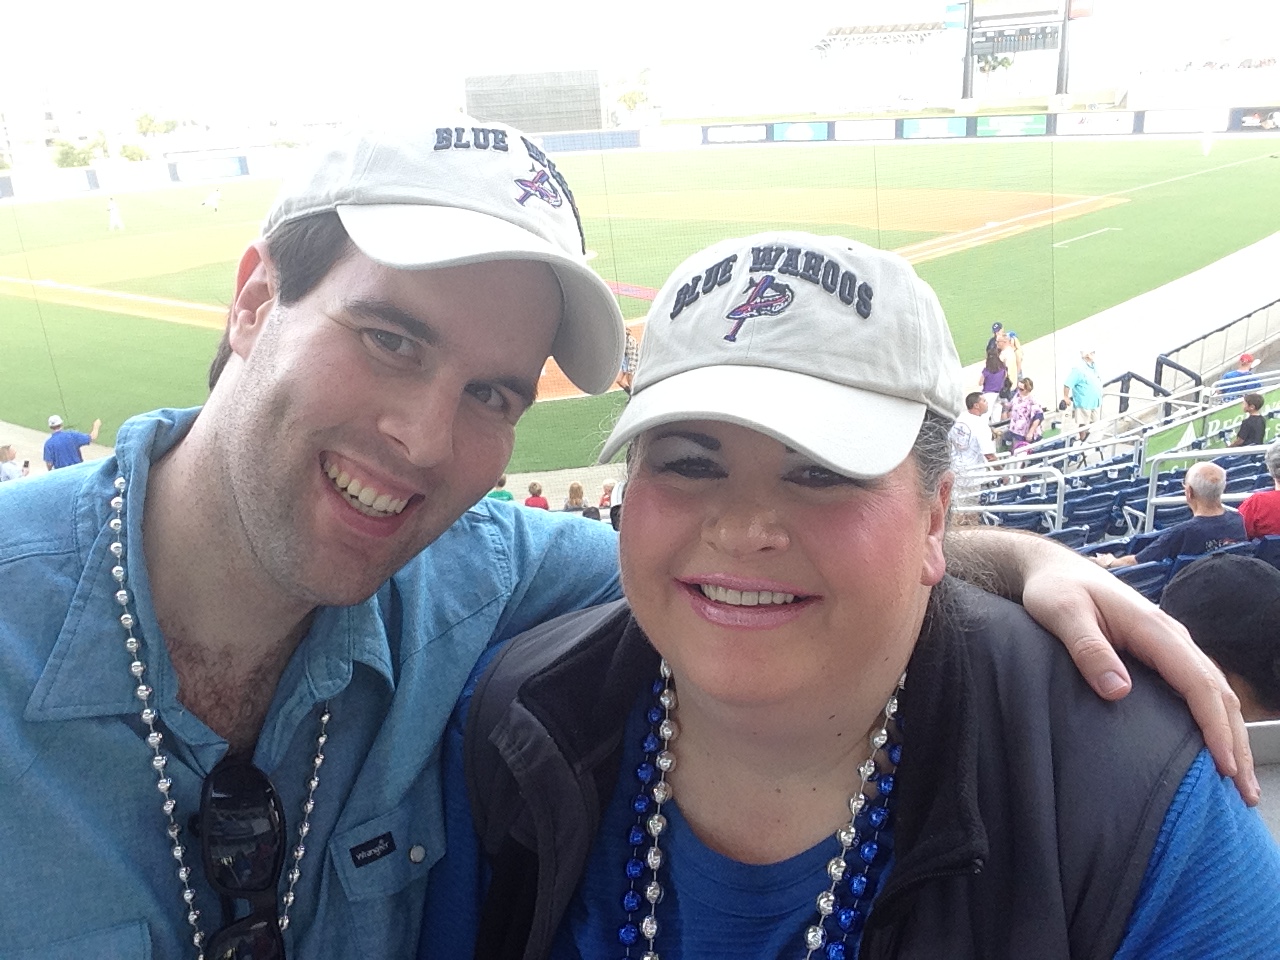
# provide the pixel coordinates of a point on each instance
(257, 57)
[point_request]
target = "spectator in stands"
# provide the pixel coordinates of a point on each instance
(996, 329)
(972, 444)
(1261, 511)
(630, 360)
(500, 491)
(1231, 606)
(1025, 416)
(607, 493)
(9, 469)
(1242, 379)
(590, 513)
(1010, 353)
(1253, 428)
(535, 498)
(1083, 392)
(615, 507)
(575, 501)
(1211, 526)
(62, 449)
(993, 379)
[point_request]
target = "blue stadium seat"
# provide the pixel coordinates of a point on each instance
(1268, 549)
(1074, 537)
(1240, 484)
(1171, 514)
(1247, 469)
(1147, 578)
(1246, 548)
(1234, 461)
(1263, 482)
(1034, 522)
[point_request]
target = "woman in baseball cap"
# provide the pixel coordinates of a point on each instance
(798, 737)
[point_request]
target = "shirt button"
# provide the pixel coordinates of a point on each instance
(417, 853)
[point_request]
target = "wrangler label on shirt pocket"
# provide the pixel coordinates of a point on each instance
(363, 854)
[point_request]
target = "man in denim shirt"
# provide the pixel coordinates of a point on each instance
(386, 333)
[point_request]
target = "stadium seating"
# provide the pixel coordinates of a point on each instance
(1170, 514)
(1147, 578)
(1240, 484)
(1074, 537)
(1268, 549)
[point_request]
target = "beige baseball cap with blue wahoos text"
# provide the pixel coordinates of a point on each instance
(829, 346)
(459, 191)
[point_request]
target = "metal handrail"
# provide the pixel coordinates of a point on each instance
(983, 475)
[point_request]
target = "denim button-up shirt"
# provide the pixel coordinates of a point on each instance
(87, 867)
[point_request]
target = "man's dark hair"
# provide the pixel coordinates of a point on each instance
(1229, 604)
(302, 253)
(1255, 400)
(971, 400)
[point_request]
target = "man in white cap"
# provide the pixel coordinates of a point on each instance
(215, 604)
(231, 649)
(62, 449)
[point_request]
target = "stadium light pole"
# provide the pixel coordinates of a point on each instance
(1062, 47)
(966, 83)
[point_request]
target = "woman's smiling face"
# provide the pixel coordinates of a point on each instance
(764, 577)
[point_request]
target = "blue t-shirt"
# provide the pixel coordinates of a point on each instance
(1212, 862)
(1195, 536)
(1236, 383)
(62, 449)
(1086, 386)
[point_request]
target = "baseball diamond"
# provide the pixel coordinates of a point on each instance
(984, 220)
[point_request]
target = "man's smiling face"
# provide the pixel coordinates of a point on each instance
(368, 415)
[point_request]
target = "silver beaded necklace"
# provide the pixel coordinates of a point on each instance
(159, 761)
(651, 892)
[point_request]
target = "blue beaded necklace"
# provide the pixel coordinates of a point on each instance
(841, 908)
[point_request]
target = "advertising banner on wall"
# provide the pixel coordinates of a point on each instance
(1033, 125)
(1186, 121)
(738, 133)
(1256, 119)
(800, 132)
(1102, 122)
(865, 129)
(934, 128)
(1212, 425)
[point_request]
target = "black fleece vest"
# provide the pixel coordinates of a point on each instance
(1028, 807)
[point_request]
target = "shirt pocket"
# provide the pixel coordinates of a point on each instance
(382, 856)
(383, 864)
(128, 941)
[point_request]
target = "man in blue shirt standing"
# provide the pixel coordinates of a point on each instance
(62, 449)
(1083, 392)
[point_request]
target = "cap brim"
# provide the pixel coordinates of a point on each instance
(854, 432)
(589, 342)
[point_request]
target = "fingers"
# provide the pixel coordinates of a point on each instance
(1100, 666)
(1167, 648)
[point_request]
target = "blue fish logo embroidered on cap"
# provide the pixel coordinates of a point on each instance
(539, 185)
(765, 298)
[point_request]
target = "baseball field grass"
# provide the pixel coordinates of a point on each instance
(1036, 234)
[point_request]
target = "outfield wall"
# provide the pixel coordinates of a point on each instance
(115, 175)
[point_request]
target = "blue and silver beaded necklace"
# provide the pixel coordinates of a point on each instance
(841, 908)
